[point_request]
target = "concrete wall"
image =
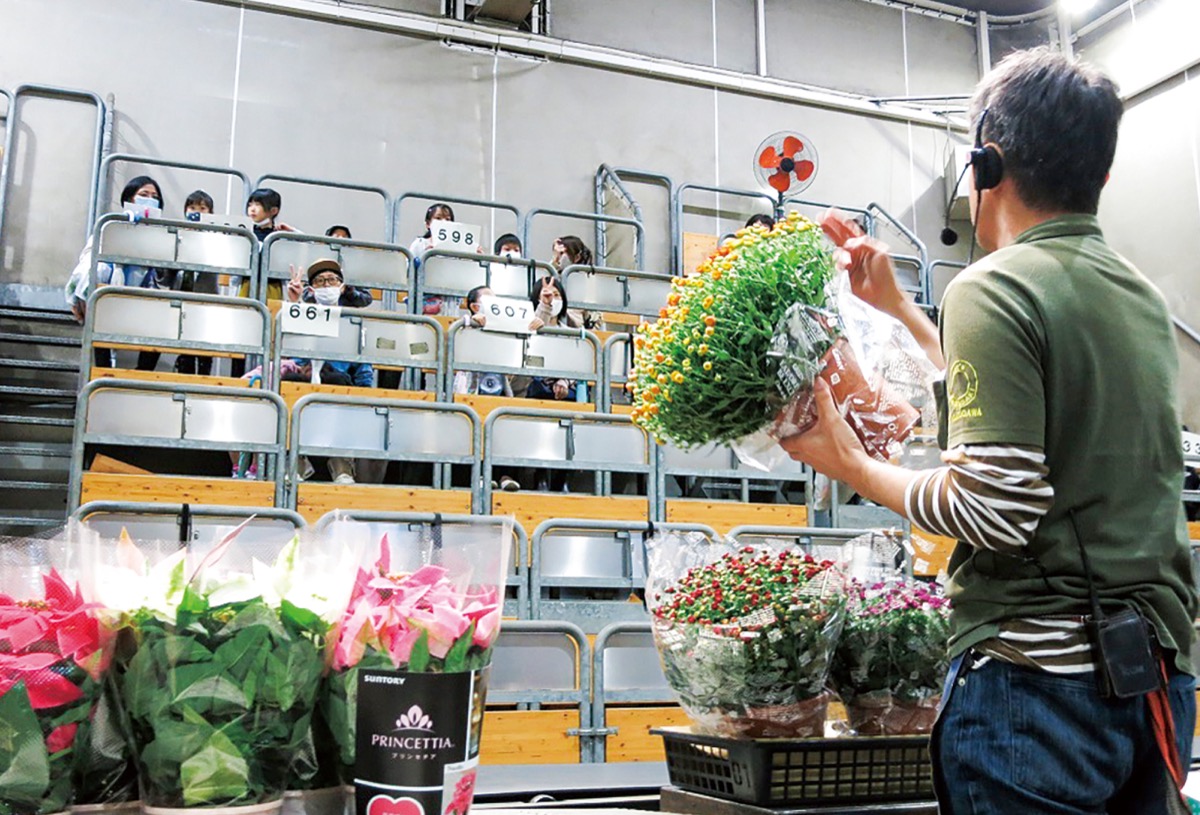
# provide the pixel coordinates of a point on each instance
(1151, 208)
(271, 93)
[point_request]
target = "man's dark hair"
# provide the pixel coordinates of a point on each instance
(267, 197)
(1055, 120)
(765, 221)
(199, 198)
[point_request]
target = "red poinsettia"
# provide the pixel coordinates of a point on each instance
(785, 162)
(464, 791)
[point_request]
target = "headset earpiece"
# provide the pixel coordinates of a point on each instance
(987, 165)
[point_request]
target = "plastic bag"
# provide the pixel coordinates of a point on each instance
(53, 659)
(230, 649)
(880, 378)
(892, 659)
(745, 634)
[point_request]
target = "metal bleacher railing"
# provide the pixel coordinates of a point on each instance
(186, 522)
(382, 339)
(562, 353)
(133, 415)
(589, 572)
(174, 321)
(382, 266)
(272, 178)
(623, 291)
(452, 273)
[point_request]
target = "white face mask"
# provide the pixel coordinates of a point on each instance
(146, 201)
(510, 253)
(328, 296)
(556, 306)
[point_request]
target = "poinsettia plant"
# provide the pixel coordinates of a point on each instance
(464, 792)
(892, 659)
(745, 638)
(53, 654)
(426, 620)
(231, 642)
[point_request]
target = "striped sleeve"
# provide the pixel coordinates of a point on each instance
(991, 496)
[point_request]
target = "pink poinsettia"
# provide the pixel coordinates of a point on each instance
(389, 612)
(464, 791)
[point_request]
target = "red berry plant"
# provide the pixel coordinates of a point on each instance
(892, 659)
(746, 639)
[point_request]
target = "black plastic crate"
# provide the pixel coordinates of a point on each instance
(780, 772)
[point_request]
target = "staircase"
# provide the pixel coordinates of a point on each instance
(39, 380)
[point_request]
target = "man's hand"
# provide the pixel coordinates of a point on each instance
(295, 286)
(830, 446)
(866, 259)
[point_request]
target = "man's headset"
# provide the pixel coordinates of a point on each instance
(987, 164)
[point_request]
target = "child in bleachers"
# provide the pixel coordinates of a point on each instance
(262, 208)
(550, 306)
(338, 231)
(197, 203)
(507, 245)
(142, 191)
(765, 221)
(434, 304)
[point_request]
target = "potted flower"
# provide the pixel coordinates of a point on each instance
(745, 637)
(230, 650)
(53, 655)
(892, 659)
(409, 669)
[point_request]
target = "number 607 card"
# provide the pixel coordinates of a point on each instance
(509, 315)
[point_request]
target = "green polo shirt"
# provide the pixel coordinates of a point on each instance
(1059, 343)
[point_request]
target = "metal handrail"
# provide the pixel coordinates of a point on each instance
(801, 533)
(607, 380)
(12, 125)
(296, 449)
(154, 161)
(81, 437)
(639, 249)
(677, 210)
(868, 218)
(600, 697)
(487, 367)
(388, 213)
(623, 276)
(485, 262)
(263, 277)
(645, 177)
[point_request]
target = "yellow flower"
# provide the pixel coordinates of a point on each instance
(687, 364)
(708, 366)
(716, 275)
(703, 349)
(708, 332)
(677, 377)
(708, 301)
(662, 379)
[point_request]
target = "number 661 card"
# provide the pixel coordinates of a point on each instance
(509, 315)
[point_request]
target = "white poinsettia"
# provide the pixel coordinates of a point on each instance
(132, 584)
(301, 585)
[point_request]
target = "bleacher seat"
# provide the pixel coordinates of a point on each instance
(596, 444)
(141, 415)
(616, 361)
(177, 245)
(545, 668)
(184, 522)
(818, 541)
(384, 429)
(630, 695)
(453, 274)
(382, 267)
(720, 469)
(172, 322)
(623, 291)
(591, 573)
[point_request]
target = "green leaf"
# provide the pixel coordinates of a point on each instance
(456, 657)
(418, 659)
(301, 618)
(215, 775)
(25, 777)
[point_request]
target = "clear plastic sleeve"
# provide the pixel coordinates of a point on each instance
(54, 655)
(230, 637)
(745, 634)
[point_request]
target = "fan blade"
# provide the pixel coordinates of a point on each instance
(768, 158)
(805, 169)
(780, 181)
(792, 146)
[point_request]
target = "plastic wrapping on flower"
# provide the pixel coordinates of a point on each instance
(892, 659)
(738, 347)
(53, 659)
(429, 604)
(231, 637)
(745, 634)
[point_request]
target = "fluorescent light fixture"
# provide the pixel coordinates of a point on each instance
(1077, 7)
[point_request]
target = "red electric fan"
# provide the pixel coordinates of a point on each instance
(787, 162)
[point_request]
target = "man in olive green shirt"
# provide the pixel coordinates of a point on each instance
(1062, 458)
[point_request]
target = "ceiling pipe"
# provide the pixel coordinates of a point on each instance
(614, 59)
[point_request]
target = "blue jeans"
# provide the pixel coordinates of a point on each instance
(1018, 741)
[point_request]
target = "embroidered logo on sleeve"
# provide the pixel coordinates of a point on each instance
(962, 386)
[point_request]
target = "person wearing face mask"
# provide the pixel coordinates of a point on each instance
(507, 245)
(570, 250)
(197, 203)
(550, 306)
(140, 195)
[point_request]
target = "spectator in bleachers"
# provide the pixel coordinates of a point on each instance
(571, 251)
(262, 208)
(140, 191)
(435, 304)
(197, 203)
(507, 245)
(338, 231)
(765, 221)
(550, 306)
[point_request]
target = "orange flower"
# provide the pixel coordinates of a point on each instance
(710, 320)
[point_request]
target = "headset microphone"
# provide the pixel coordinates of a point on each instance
(949, 236)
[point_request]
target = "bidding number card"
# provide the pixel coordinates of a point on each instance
(311, 319)
(508, 315)
(455, 236)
